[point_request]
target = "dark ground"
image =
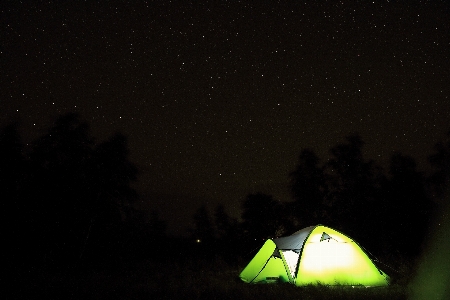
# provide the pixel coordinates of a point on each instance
(191, 279)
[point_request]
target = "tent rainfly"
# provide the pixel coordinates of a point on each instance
(314, 255)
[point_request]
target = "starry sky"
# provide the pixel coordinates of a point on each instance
(218, 98)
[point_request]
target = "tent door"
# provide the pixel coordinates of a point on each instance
(291, 260)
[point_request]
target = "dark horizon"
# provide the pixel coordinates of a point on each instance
(177, 209)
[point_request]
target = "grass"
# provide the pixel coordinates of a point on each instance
(189, 280)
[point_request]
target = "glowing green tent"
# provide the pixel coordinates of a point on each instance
(314, 255)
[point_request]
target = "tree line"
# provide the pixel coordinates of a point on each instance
(68, 201)
(389, 212)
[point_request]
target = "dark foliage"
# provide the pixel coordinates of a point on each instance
(390, 214)
(407, 209)
(262, 217)
(440, 160)
(13, 169)
(226, 226)
(68, 202)
(309, 189)
(204, 230)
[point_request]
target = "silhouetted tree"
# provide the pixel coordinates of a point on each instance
(228, 234)
(226, 226)
(70, 201)
(114, 172)
(12, 175)
(80, 195)
(60, 197)
(440, 161)
(353, 189)
(308, 188)
(156, 226)
(203, 230)
(111, 205)
(262, 217)
(114, 224)
(406, 206)
(144, 235)
(12, 163)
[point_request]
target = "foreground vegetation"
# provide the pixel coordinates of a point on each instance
(197, 279)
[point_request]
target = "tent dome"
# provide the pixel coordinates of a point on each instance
(314, 255)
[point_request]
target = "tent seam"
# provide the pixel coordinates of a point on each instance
(267, 261)
(301, 251)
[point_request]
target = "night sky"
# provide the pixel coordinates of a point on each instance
(218, 99)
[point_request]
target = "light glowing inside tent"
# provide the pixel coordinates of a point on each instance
(337, 260)
(291, 259)
(322, 256)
